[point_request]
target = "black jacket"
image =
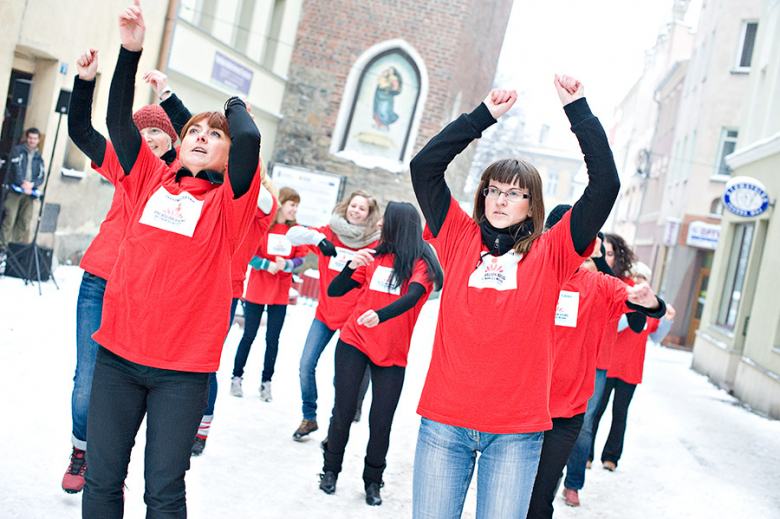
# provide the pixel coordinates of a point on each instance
(17, 166)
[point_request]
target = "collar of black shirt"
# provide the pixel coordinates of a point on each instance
(206, 174)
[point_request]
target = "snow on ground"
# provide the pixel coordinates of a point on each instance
(691, 450)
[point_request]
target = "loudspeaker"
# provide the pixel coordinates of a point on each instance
(22, 252)
(63, 102)
(20, 92)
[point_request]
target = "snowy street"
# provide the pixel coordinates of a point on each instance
(691, 451)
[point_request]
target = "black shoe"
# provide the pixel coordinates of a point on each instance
(372, 495)
(328, 482)
(198, 446)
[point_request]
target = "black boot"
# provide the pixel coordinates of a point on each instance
(372, 494)
(328, 482)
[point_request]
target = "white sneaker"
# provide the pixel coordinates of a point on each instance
(265, 392)
(235, 387)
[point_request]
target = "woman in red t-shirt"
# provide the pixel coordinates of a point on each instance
(169, 292)
(268, 288)
(393, 281)
(487, 388)
(352, 227)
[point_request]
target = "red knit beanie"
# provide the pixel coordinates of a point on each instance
(153, 116)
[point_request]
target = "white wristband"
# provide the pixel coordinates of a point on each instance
(166, 90)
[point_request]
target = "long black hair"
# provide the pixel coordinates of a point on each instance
(402, 237)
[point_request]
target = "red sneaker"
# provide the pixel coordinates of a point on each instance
(571, 497)
(73, 481)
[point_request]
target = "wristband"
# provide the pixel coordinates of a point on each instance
(166, 90)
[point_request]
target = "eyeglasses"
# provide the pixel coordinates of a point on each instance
(512, 195)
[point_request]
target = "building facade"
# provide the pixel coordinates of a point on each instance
(738, 342)
(369, 85)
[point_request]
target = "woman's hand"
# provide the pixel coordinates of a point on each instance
(362, 258)
(569, 89)
(277, 265)
(499, 101)
(670, 312)
(643, 295)
(368, 319)
(158, 82)
(132, 28)
(87, 65)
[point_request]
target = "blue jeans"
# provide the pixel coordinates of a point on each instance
(253, 314)
(575, 468)
(89, 311)
(123, 392)
(444, 463)
(316, 341)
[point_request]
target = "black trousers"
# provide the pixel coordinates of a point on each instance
(624, 392)
(123, 392)
(558, 444)
(386, 384)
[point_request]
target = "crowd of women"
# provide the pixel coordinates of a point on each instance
(527, 349)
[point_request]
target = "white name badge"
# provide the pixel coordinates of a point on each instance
(340, 260)
(566, 311)
(496, 272)
(173, 213)
(381, 281)
(278, 245)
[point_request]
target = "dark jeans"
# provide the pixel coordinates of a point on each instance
(624, 392)
(252, 315)
(122, 393)
(387, 383)
(557, 446)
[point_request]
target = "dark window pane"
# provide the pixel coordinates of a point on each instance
(747, 46)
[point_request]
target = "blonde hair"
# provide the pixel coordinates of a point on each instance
(374, 213)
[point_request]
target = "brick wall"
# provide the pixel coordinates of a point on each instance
(459, 41)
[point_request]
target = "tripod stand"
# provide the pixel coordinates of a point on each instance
(31, 251)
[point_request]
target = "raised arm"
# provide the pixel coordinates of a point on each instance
(244, 148)
(592, 209)
(428, 166)
(173, 106)
(119, 118)
(80, 128)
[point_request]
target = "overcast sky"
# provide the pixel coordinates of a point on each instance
(600, 42)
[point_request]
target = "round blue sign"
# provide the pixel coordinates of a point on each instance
(745, 196)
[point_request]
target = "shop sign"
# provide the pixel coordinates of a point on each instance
(703, 235)
(672, 231)
(745, 196)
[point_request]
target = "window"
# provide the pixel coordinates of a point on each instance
(747, 40)
(243, 27)
(716, 207)
(735, 275)
(728, 142)
(207, 14)
(552, 184)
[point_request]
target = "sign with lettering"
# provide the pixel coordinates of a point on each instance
(745, 196)
(231, 73)
(703, 235)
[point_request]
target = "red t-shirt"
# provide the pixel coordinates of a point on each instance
(104, 249)
(254, 236)
(168, 296)
(628, 357)
(334, 311)
(265, 288)
(608, 338)
(589, 302)
(492, 352)
(386, 344)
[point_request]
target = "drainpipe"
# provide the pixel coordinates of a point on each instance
(167, 37)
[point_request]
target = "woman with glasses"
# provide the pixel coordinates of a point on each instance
(488, 385)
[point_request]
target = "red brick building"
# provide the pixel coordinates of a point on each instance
(371, 82)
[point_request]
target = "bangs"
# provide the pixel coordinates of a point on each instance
(215, 120)
(511, 171)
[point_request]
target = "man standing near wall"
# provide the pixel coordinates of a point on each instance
(25, 176)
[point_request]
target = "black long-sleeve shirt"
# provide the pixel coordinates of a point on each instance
(343, 283)
(589, 212)
(80, 129)
(244, 135)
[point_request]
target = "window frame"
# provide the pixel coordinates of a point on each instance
(738, 67)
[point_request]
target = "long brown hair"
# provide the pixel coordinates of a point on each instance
(525, 176)
(374, 214)
(285, 195)
(624, 256)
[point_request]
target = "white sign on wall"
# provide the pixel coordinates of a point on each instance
(672, 231)
(703, 235)
(319, 192)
